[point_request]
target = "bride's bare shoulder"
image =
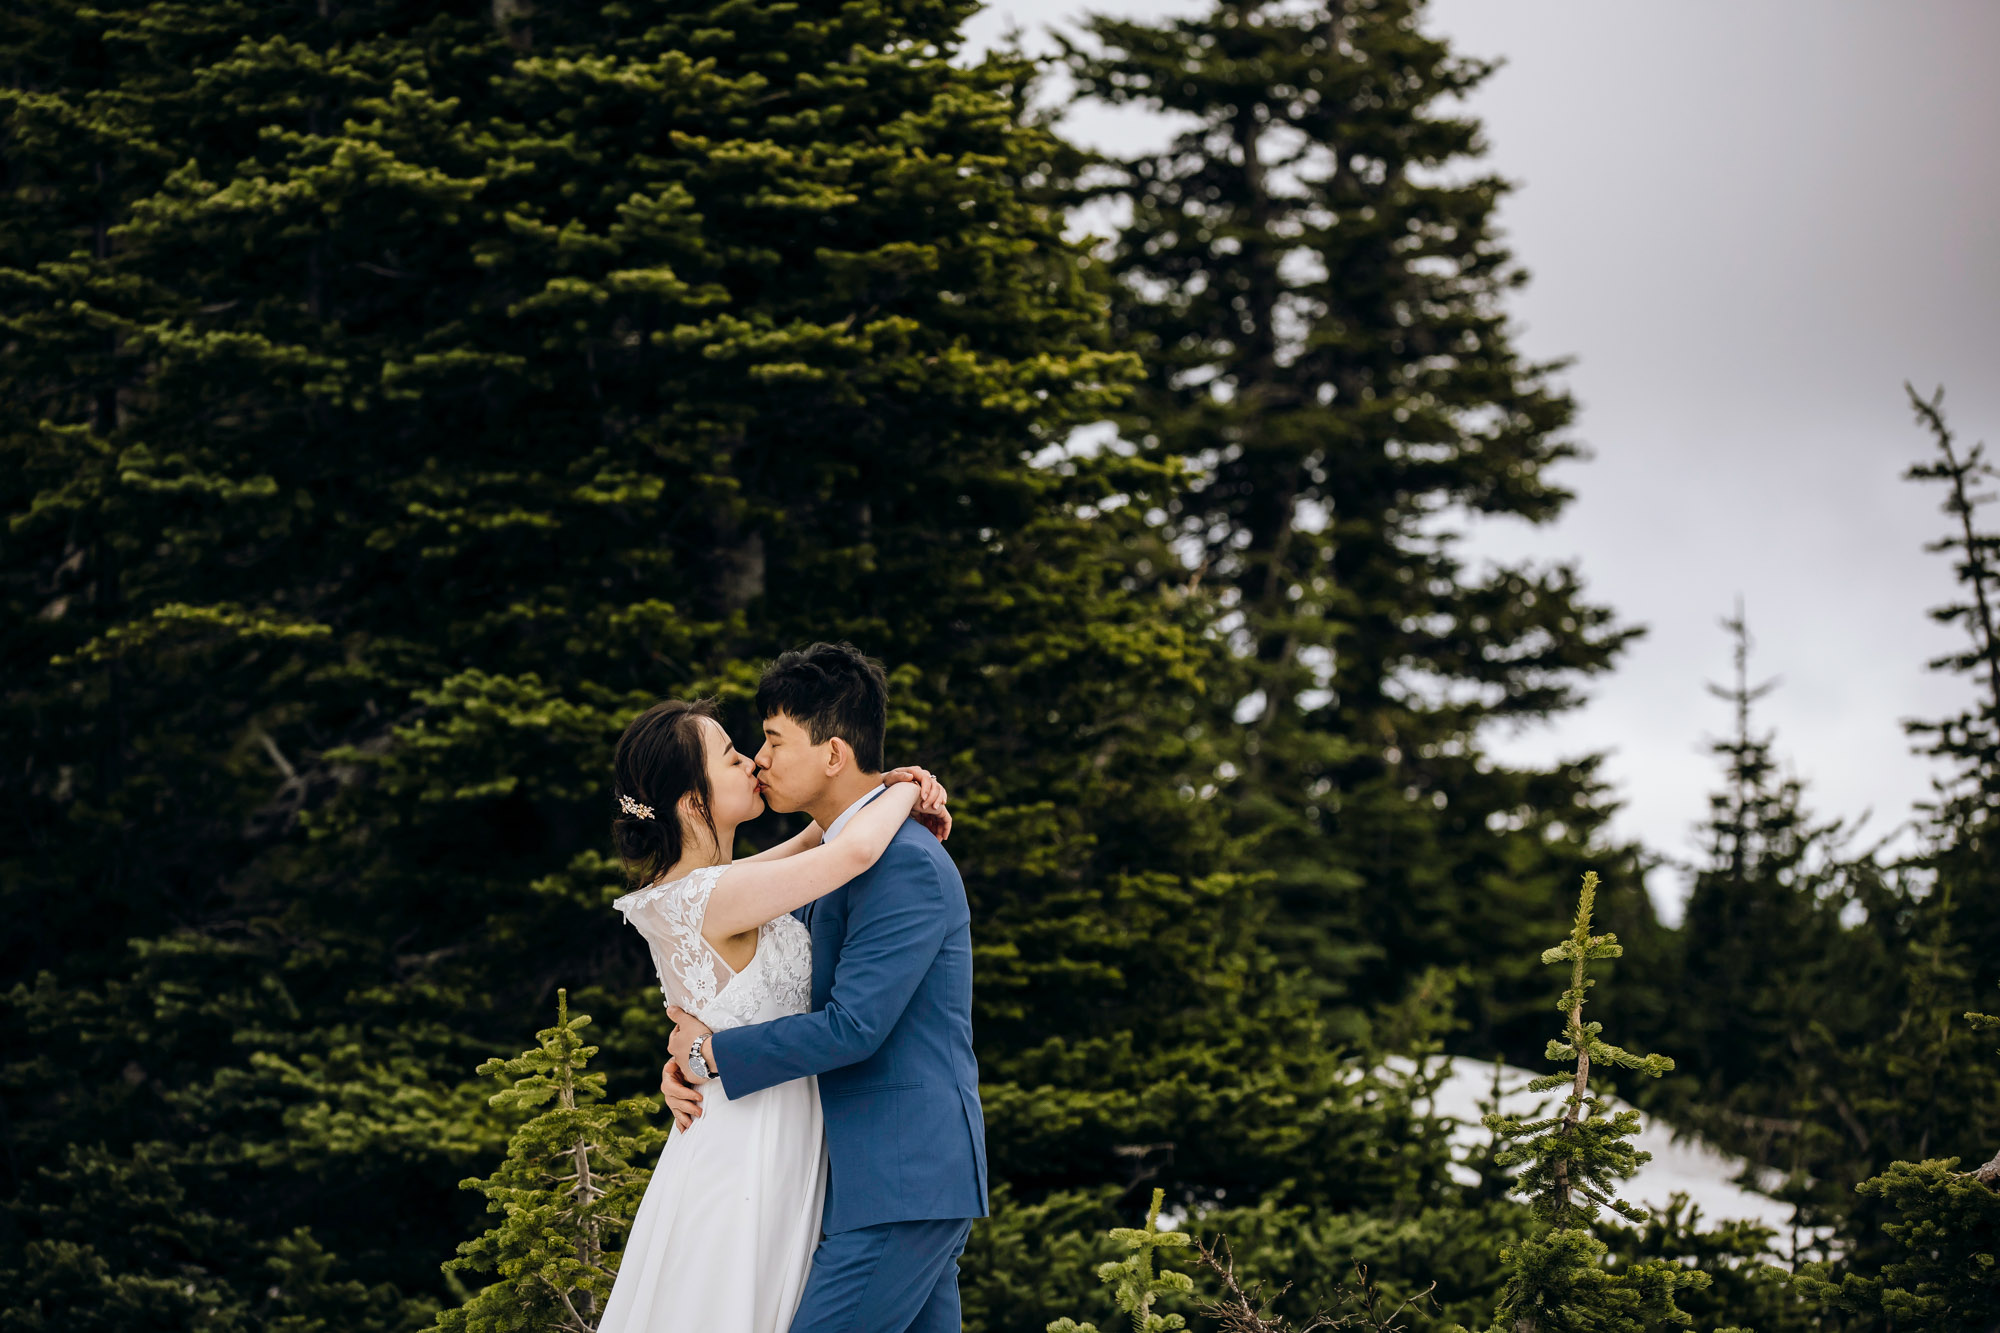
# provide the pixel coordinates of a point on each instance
(676, 879)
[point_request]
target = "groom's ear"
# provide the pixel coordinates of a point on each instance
(841, 757)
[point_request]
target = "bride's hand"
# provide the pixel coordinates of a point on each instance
(682, 1098)
(930, 809)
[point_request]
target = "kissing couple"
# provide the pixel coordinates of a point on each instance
(830, 1153)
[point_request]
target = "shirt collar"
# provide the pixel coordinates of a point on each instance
(833, 829)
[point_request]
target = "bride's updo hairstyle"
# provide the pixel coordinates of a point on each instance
(659, 760)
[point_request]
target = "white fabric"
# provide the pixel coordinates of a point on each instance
(840, 820)
(724, 1237)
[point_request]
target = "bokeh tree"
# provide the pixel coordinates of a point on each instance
(1313, 277)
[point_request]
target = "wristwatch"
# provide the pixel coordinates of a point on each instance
(696, 1064)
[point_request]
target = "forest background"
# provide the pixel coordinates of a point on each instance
(398, 395)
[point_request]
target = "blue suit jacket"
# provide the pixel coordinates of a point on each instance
(890, 1036)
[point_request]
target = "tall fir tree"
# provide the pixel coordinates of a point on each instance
(1917, 1088)
(405, 471)
(100, 1226)
(1966, 814)
(1312, 275)
(424, 387)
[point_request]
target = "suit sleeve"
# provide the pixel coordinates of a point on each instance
(895, 926)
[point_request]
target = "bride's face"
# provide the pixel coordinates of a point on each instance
(732, 778)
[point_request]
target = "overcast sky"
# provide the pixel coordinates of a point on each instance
(1749, 221)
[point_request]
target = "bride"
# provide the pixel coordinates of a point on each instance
(724, 1237)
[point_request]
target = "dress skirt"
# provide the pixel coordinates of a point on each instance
(725, 1234)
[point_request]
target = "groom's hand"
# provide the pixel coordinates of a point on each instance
(686, 1028)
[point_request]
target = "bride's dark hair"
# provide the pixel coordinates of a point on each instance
(659, 760)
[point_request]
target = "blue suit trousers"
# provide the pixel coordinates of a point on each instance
(895, 1277)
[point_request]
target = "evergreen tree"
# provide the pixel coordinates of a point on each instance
(1919, 1090)
(411, 492)
(1943, 1273)
(92, 1234)
(568, 1189)
(1913, 1087)
(465, 377)
(1351, 1166)
(1312, 277)
(1818, 991)
(1967, 811)
(1770, 983)
(1572, 1164)
(1744, 1289)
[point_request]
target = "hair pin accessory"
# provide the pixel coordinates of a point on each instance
(635, 808)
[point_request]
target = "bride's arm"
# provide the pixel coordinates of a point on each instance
(750, 893)
(930, 810)
(803, 841)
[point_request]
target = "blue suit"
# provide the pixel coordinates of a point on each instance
(890, 1037)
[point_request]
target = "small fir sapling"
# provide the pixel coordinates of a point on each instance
(1136, 1283)
(1572, 1164)
(568, 1189)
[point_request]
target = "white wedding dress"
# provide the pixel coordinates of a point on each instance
(724, 1237)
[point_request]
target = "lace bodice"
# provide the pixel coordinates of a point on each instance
(776, 981)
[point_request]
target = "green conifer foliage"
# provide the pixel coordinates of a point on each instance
(1922, 1090)
(1770, 984)
(1138, 1282)
(1967, 811)
(464, 379)
(1918, 1090)
(1942, 1274)
(568, 1190)
(1817, 991)
(1745, 1289)
(1312, 276)
(1572, 1165)
(69, 1274)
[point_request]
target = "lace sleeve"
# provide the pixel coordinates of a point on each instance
(670, 917)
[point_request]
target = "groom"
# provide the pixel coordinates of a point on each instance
(890, 1030)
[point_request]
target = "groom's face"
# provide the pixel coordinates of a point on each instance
(791, 768)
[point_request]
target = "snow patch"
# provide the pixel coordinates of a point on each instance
(1682, 1164)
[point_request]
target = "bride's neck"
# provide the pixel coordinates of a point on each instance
(699, 851)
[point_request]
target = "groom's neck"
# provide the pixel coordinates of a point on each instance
(842, 792)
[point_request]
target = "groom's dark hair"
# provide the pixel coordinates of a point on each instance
(831, 689)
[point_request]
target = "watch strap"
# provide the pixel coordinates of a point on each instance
(696, 1062)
